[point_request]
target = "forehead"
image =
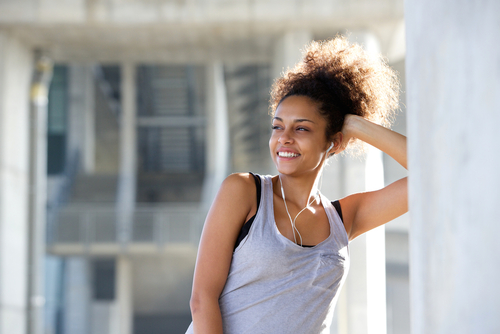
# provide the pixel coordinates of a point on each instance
(297, 106)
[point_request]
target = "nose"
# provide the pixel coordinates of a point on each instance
(285, 138)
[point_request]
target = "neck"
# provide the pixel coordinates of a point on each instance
(298, 190)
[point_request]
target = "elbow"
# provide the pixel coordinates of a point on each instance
(194, 303)
(200, 301)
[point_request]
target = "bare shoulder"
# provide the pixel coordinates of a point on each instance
(239, 188)
(245, 181)
(231, 208)
(241, 185)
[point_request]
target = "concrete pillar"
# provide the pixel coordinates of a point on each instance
(105, 317)
(77, 112)
(375, 255)
(453, 103)
(53, 291)
(88, 104)
(124, 298)
(81, 127)
(15, 74)
(37, 192)
(288, 50)
(362, 304)
(128, 153)
(77, 295)
(217, 149)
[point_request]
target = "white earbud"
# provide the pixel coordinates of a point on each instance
(331, 146)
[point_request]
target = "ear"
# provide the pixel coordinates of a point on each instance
(337, 139)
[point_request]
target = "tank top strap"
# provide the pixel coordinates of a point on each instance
(267, 217)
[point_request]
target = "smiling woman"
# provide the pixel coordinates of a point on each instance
(298, 135)
(274, 251)
(343, 79)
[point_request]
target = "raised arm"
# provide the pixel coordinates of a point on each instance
(234, 204)
(365, 211)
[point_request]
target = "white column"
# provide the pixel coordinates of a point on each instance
(453, 103)
(128, 152)
(352, 309)
(77, 111)
(37, 192)
(217, 149)
(124, 295)
(288, 50)
(362, 304)
(77, 296)
(15, 74)
(53, 287)
(375, 252)
(74, 140)
(88, 92)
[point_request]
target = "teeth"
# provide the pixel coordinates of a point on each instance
(287, 154)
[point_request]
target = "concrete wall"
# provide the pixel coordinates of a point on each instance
(453, 85)
(15, 72)
(183, 31)
(133, 11)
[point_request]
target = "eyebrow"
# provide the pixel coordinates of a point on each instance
(298, 120)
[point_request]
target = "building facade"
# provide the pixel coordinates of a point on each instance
(150, 105)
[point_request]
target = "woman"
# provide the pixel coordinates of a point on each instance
(274, 252)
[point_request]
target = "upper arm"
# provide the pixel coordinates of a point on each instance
(365, 211)
(230, 209)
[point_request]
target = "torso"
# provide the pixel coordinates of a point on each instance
(271, 278)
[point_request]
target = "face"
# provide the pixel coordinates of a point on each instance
(298, 144)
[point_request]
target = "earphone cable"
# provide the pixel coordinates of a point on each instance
(292, 222)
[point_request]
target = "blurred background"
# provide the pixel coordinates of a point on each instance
(120, 118)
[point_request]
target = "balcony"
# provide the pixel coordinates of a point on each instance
(95, 229)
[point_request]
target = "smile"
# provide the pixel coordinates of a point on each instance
(288, 154)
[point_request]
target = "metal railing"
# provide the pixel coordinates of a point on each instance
(62, 192)
(90, 224)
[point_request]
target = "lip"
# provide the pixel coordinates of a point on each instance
(285, 150)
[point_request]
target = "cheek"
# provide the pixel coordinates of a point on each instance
(273, 141)
(272, 145)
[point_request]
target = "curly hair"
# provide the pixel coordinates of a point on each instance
(343, 79)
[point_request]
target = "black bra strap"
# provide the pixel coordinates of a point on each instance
(246, 227)
(336, 205)
(259, 189)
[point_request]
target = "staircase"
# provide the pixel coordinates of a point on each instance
(250, 125)
(170, 134)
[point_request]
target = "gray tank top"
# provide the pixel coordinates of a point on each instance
(275, 286)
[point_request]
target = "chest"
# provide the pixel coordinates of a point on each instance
(311, 225)
(267, 258)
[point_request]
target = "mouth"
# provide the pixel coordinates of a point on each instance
(288, 155)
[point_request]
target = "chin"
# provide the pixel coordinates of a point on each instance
(285, 170)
